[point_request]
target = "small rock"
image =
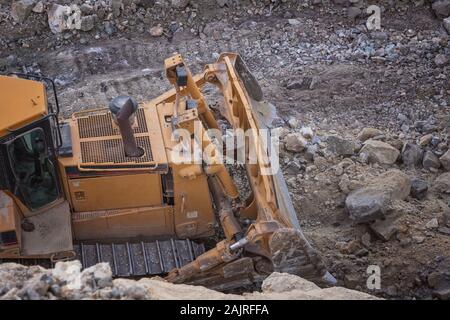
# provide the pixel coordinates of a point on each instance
(362, 252)
(446, 24)
(109, 28)
(146, 3)
(86, 9)
(441, 60)
(100, 274)
(419, 188)
(222, 3)
(307, 132)
(445, 160)
(293, 168)
(20, 9)
(346, 185)
(156, 31)
(430, 161)
(444, 230)
(302, 84)
(295, 142)
(354, 12)
(366, 240)
(39, 7)
(68, 272)
(387, 228)
(418, 239)
(412, 155)
(380, 152)
(311, 152)
(57, 18)
(349, 247)
(404, 128)
(443, 294)
(116, 6)
(391, 291)
(352, 280)
(321, 163)
(180, 4)
(340, 146)
(432, 224)
(368, 133)
(435, 279)
(294, 22)
(87, 23)
(293, 123)
(402, 118)
(425, 140)
(338, 170)
(435, 141)
(372, 201)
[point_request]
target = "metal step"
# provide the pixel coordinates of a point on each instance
(139, 258)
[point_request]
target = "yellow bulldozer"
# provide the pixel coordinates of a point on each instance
(104, 185)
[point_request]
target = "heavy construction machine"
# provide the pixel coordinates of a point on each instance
(102, 186)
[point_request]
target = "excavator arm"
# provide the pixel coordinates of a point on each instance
(264, 234)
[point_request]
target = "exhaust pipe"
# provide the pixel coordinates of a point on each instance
(123, 109)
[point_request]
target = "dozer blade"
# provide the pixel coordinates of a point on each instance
(251, 84)
(291, 252)
(273, 241)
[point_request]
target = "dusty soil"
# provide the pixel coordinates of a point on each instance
(319, 67)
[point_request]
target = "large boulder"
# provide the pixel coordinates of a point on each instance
(445, 160)
(385, 229)
(379, 152)
(442, 184)
(430, 161)
(283, 282)
(21, 9)
(295, 142)
(57, 18)
(412, 155)
(367, 204)
(373, 201)
(368, 133)
(441, 8)
(419, 188)
(340, 146)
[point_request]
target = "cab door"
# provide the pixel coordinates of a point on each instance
(33, 180)
(33, 170)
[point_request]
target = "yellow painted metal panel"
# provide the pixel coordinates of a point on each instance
(116, 192)
(127, 223)
(21, 102)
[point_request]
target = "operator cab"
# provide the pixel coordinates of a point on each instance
(29, 138)
(35, 217)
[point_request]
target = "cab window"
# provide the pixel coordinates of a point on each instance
(33, 170)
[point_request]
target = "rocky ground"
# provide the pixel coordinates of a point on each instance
(67, 281)
(363, 115)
